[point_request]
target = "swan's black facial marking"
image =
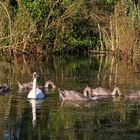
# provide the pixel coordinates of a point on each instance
(35, 75)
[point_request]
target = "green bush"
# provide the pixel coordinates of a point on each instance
(54, 25)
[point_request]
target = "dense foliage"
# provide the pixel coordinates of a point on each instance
(56, 25)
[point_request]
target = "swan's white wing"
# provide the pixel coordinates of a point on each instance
(39, 94)
(30, 95)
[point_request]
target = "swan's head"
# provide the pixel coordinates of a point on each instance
(87, 92)
(35, 75)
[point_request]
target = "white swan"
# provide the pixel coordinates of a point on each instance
(35, 92)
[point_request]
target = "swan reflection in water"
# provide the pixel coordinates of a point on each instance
(35, 103)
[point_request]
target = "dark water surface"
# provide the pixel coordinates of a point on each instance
(51, 119)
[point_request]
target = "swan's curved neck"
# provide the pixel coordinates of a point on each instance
(34, 86)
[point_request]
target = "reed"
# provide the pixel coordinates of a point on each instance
(123, 34)
(8, 16)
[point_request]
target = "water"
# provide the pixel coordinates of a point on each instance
(51, 119)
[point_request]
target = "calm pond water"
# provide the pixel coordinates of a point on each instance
(51, 119)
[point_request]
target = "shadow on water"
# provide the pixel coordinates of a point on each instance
(51, 119)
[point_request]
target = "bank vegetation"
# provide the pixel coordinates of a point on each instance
(67, 26)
